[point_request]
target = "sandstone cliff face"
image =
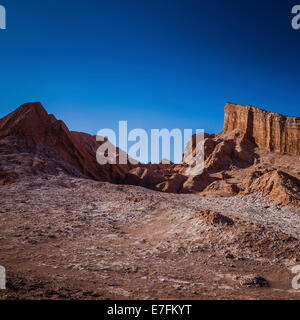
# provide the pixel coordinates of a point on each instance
(270, 131)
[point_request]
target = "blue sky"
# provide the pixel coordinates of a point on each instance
(157, 64)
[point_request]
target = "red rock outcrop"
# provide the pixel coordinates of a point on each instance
(277, 184)
(34, 142)
(247, 130)
(216, 218)
(173, 184)
(236, 150)
(270, 131)
(145, 177)
(197, 183)
(35, 131)
(222, 187)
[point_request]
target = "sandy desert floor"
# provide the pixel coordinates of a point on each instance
(71, 238)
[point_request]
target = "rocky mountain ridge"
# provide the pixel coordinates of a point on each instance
(258, 151)
(43, 139)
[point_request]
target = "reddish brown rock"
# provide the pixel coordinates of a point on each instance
(197, 183)
(145, 177)
(37, 132)
(225, 150)
(270, 131)
(247, 130)
(33, 142)
(173, 184)
(216, 218)
(222, 187)
(277, 184)
(221, 157)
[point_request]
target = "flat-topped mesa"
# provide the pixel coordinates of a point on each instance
(270, 131)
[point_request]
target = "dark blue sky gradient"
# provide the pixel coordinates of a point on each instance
(158, 63)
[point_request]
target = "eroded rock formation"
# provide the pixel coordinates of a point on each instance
(34, 142)
(270, 131)
(41, 138)
(282, 187)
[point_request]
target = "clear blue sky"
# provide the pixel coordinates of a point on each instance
(158, 63)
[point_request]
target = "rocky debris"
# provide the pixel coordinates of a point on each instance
(222, 187)
(252, 281)
(216, 218)
(148, 177)
(225, 175)
(225, 150)
(173, 184)
(277, 184)
(221, 157)
(197, 183)
(74, 238)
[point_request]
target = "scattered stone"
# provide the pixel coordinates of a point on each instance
(216, 218)
(254, 282)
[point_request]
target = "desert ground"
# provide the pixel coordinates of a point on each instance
(70, 238)
(71, 228)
